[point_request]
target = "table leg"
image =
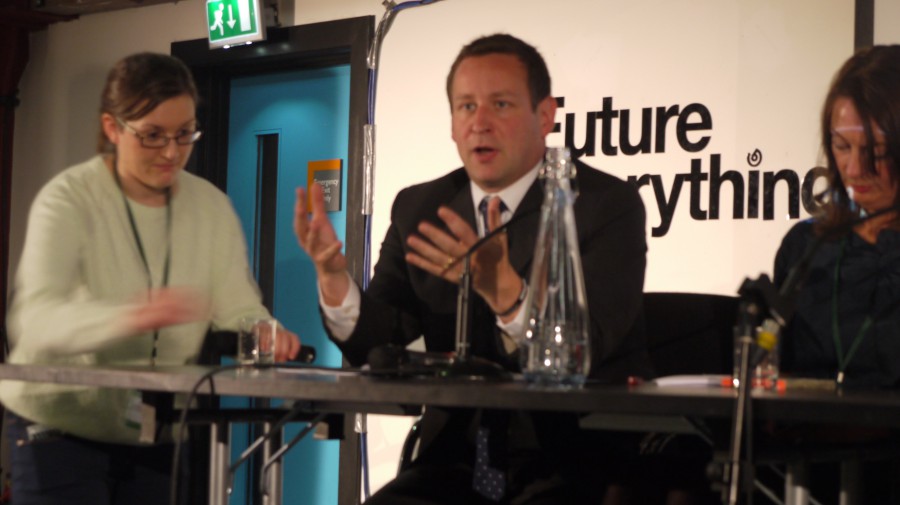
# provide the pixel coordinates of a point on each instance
(271, 478)
(218, 463)
(796, 484)
(851, 473)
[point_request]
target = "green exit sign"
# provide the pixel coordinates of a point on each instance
(232, 22)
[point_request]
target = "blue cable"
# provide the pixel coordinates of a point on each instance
(364, 454)
(407, 5)
(367, 218)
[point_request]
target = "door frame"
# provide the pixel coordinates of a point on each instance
(339, 42)
(345, 41)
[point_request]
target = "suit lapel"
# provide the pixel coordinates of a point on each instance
(523, 233)
(461, 203)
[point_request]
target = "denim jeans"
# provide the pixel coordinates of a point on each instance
(50, 468)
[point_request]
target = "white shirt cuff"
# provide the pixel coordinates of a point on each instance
(511, 333)
(341, 320)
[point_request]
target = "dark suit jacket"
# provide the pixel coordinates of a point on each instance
(404, 302)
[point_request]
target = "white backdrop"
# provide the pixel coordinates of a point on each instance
(760, 67)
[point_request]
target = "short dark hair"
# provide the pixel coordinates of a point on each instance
(871, 80)
(501, 43)
(137, 84)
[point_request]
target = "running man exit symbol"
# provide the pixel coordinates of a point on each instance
(229, 19)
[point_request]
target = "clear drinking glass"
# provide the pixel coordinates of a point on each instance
(256, 341)
(266, 329)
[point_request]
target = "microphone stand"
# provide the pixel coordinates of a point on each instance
(739, 470)
(464, 366)
(759, 300)
(464, 310)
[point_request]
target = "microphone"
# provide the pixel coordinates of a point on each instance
(759, 300)
(306, 354)
(781, 304)
(392, 360)
(488, 236)
(467, 366)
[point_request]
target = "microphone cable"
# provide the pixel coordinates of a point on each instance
(191, 397)
(182, 425)
(488, 236)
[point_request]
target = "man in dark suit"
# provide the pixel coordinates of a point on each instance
(502, 110)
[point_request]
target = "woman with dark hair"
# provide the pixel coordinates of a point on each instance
(846, 326)
(128, 260)
(847, 322)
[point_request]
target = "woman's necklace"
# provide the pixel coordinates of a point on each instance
(140, 247)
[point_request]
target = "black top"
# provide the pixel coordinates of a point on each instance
(867, 286)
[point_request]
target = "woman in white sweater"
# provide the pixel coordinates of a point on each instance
(128, 260)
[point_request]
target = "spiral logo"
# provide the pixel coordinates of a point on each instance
(754, 158)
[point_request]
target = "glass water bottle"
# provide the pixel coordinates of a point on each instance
(556, 348)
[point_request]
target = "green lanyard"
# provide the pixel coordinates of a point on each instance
(140, 247)
(843, 360)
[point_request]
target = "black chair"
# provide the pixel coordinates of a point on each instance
(687, 334)
(690, 333)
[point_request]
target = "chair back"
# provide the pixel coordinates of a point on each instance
(217, 345)
(690, 333)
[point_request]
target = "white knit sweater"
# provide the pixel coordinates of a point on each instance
(81, 272)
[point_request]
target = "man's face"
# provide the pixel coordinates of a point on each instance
(498, 134)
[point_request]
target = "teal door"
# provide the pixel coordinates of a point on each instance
(278, 124)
